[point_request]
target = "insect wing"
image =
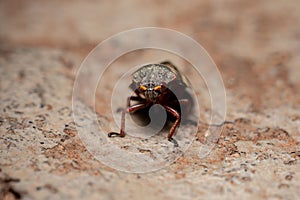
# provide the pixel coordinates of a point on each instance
(181, 79)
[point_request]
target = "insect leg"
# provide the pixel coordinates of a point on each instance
(132, 98)
(187, 106)
(130, 109)
(135, 98)
(185, 103)
(173, 128)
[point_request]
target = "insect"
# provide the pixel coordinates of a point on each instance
(157, 84)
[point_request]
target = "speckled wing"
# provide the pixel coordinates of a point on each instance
(153, 73)
(180, 77)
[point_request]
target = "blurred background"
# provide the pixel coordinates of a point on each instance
(254, 43)
(256, 46)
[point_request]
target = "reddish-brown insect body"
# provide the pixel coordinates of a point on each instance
(158, 84)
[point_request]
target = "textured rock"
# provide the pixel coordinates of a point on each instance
(255, 45)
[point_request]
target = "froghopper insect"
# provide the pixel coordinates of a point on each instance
(161, 84)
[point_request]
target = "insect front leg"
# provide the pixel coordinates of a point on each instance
(129, 109)
(134, 98)
(185, 103)
(173, 128)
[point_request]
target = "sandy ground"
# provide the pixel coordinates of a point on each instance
(255, 45)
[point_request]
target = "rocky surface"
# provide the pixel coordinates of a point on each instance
(256, 48)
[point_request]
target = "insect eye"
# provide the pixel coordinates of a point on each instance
(143, 88)
(157, 88)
